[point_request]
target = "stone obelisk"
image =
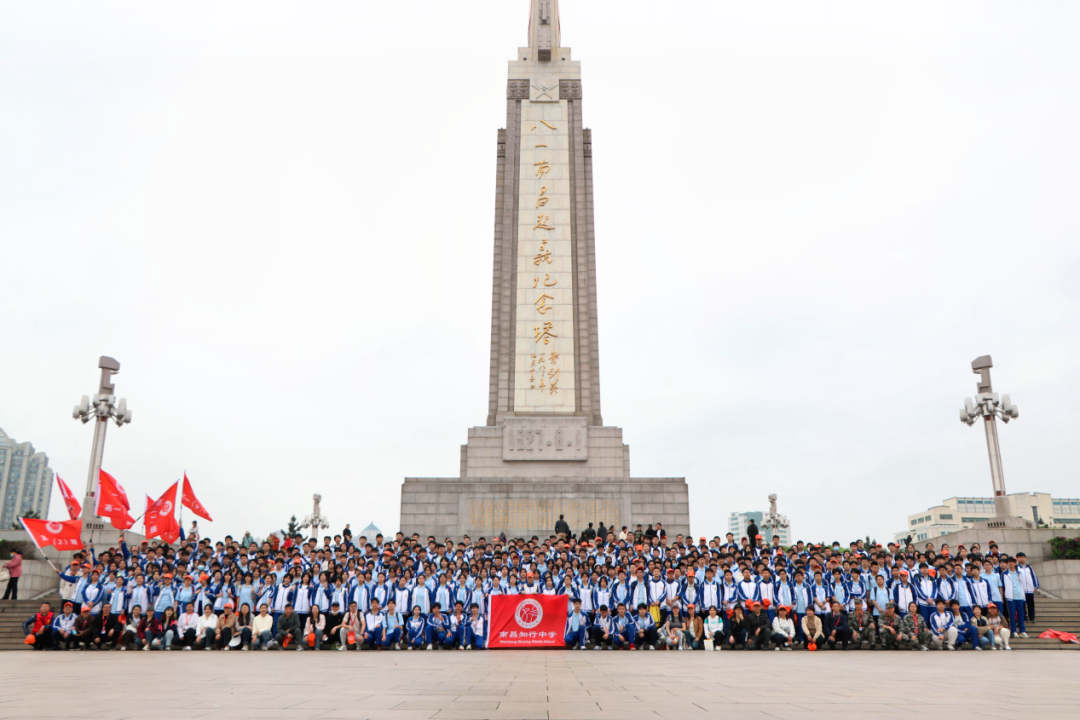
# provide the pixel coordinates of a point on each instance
(545, 450)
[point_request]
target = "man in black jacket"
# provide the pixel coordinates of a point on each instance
(562, 529)
(758, 632)
(106, 628)
(588, 534)
(836, 627)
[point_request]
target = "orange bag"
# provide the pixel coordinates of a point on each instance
(285, 642)
(811, 647)
(311, 639)
(351, 637)
(30, 640)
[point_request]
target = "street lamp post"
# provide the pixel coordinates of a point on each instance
(987, 405)
(103, 407)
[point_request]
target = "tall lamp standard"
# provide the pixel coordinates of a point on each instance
(103, 407)
(988, 406)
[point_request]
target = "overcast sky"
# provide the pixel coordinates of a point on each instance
(810, 219)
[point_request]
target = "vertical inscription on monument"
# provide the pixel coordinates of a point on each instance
(544, 364)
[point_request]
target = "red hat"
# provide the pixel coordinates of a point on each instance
(991, 605)
(903, 572)
(765, 603)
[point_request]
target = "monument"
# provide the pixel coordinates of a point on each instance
(545, 450)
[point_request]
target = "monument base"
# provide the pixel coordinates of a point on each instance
(527, 507)
(1005, 522)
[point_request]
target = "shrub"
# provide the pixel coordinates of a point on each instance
(26, 547)
(1065, 548)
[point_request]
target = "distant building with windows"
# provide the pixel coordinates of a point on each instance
(25, 481)
(961, 513)
(739, 521)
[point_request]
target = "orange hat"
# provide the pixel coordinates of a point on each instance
(203, 577)
(991, 605)
(903, 572)
(690, 572)
(84, 608)
(690, 606)
(296, 561)
(754, 604)
(702, 538)
(758, 537)
(74, 563)
(30, 639)
(933, 572)
(765, 603)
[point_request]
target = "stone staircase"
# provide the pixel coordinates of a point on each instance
(1061, 615)
(12, 615)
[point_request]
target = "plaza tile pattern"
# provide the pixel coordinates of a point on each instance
(548, 685)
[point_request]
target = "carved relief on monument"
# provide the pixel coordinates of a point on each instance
(525, 516)
(517, 89)
(570, 89)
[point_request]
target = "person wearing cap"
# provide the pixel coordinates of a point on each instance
(998, 628)
(164, 595)
(226, 626)
(759, 629)
(288, 628)
(63, 627)
(862, 626)
(84, 628)
(694, 633)
(889, 627)
(783, 629)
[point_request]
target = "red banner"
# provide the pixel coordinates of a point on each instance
(160, 518)
(111, 501)
(527, 621)
(192, 503)
(73, 506)
(66, 535)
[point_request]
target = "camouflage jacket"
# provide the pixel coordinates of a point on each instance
(858, 624)
(913, 625)
(896, 623)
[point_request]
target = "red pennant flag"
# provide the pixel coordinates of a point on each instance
(66, 535)
(111, 501)
(160, 518)
(192, 503)
(73, 506)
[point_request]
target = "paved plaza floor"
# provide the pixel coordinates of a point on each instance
(540, 684)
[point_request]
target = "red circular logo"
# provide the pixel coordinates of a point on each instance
(529, 614)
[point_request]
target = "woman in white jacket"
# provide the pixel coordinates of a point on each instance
(316, 624)
(783, 629)
(206, 627)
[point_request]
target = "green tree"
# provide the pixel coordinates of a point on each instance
(30, 515)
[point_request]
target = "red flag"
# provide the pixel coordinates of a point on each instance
(73, 506)
(192, 503)
(66, 535)
(111, 501)
(524, 621)
(160, 518)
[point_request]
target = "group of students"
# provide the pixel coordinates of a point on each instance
(629, 594)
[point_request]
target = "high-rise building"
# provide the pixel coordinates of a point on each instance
(25, 481)
(961, 513)
(739, 521)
